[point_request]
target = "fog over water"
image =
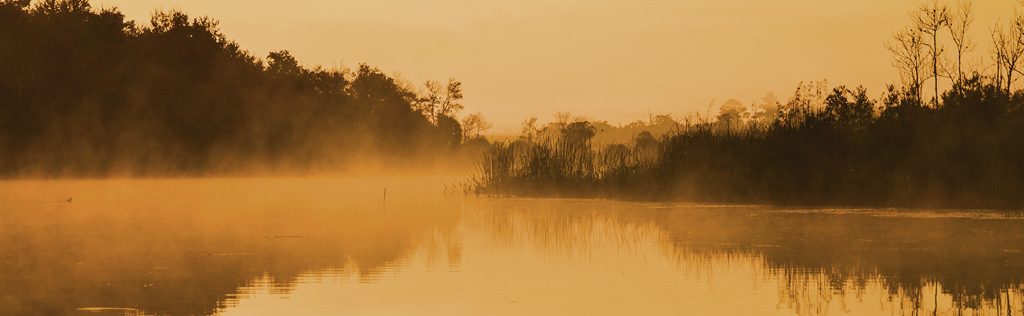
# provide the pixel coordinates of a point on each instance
(183, 162)
(337, 246)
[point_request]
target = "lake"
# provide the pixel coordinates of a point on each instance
(401, 246)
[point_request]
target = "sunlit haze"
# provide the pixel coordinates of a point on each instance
(615, 60)
(530, 157)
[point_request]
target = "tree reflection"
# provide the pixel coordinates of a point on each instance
(186, 247)
(921, 259)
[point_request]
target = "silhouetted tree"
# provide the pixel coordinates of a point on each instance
(853, 109)
(474, 125)
(959, 25)
(85, 92)
(578, 132)
(930, 19)
(1008, 50)
(528, 129)
(441, 100)
(766, 111)
(907, 49)
(450, 130)
(732, 115)
(827, 145)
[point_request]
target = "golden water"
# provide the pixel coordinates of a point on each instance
(340, 247)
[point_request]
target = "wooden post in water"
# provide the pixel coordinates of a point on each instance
(384, 201)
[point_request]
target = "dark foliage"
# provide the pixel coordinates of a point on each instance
(83, 92)
(966, 152)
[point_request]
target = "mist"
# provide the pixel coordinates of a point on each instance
(87, 93)
(159, 168)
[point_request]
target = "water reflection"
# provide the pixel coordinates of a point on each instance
(185, 247)
(330, 246)
(918, 261)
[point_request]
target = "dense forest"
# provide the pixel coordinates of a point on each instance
(961, 147)
(85, 92)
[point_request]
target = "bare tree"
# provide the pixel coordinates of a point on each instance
(998, 35)
(959, 25)
(930, 19)
(908, 56)
(1008, 50)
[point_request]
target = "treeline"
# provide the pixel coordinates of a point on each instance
(824, 146)
(85, 92)
(604, 132)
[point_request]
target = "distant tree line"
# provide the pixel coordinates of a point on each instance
(85, 92)
(963, 147)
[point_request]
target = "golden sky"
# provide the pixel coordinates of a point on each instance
(614, 60)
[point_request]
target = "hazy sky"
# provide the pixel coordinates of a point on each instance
(615, 60)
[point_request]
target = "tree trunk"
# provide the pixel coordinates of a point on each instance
(935, 66)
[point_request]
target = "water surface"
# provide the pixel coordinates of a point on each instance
(344, 246)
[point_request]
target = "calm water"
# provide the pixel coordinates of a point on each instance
(338, 246)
